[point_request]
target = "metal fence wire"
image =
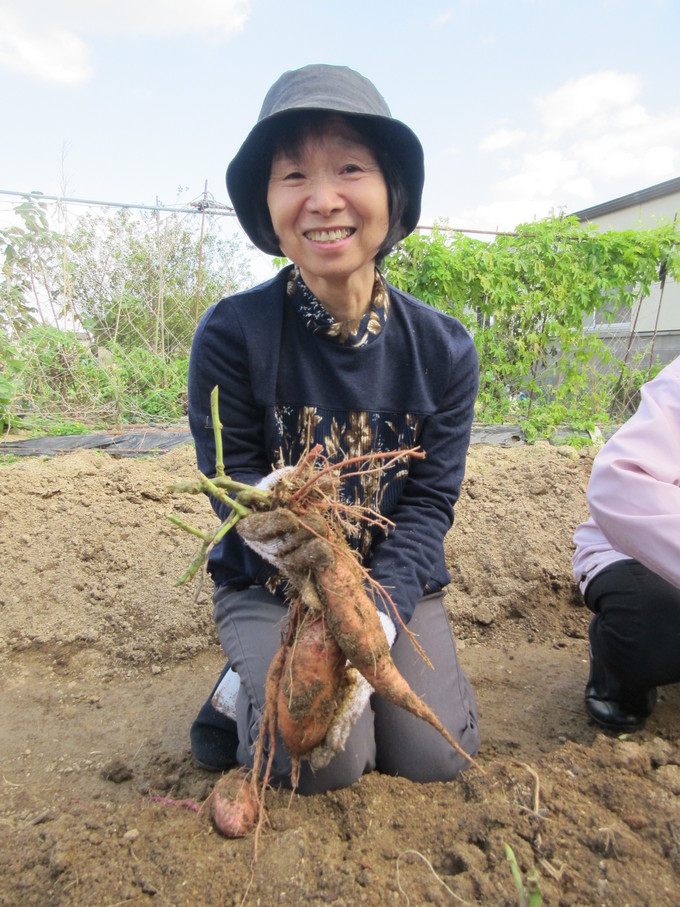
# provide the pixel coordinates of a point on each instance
(100, 302)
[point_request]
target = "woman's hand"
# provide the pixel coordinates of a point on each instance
(291, 544)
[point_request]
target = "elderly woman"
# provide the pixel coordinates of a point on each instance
(328, 353)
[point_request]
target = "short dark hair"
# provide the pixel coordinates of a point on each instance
(294, 128)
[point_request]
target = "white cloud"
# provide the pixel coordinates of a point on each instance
(51, 54)
(650, 147)
(581, 187)
(542, 173)
(588, 99)
(595, 140)
(633, 117)
(42, 38)
(528, 193)
(501, 139)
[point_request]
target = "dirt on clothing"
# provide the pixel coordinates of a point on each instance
(104, 663)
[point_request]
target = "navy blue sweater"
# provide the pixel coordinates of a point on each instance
(284, 387)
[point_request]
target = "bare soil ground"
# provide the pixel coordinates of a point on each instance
(104, 663)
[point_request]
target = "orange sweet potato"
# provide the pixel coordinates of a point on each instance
(354, 622)
(234, 805)
(309, 686)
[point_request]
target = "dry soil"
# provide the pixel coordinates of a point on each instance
(104, 663)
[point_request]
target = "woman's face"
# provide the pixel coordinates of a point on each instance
(329, 206)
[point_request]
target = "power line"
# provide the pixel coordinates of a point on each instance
(212, 207)
(444, 228)
(194, 207)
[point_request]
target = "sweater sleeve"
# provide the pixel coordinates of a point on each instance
(412, 554)
(220, 358)
(634, 489)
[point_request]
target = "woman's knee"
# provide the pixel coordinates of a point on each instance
(412, 748)
(407, 745)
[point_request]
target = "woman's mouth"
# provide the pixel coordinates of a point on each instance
(329, 236)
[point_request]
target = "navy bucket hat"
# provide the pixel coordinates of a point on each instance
(319, 87)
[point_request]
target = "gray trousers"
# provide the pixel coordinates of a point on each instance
(385, 737)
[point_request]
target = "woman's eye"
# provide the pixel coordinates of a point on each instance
(352, 168)
(294, 175)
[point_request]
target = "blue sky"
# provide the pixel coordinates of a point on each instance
(522, 107)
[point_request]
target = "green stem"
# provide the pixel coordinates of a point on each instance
(195, 487)
(217, 428)
(517, 876)
(233, 503)
(209, 541)
(231, 520)
(191, 529)
(194, 566)
(247, 494)
(534, 889)
(220, 488)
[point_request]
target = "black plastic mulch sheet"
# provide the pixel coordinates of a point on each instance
(154, 440)
(140, 442)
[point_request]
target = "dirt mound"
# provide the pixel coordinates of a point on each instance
(104, 663)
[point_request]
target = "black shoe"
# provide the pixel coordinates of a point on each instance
(612, 706)
(214, 738)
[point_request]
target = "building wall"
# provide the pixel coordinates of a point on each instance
(663, 312)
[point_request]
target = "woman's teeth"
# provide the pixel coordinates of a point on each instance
(329, 235)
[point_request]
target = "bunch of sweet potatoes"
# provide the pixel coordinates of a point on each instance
(333, 625)
(333, 628)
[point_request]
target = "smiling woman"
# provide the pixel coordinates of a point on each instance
(328, 356)
(328, 204)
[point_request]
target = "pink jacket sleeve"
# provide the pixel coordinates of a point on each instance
(634, 489)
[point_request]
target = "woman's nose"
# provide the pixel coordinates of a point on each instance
(324, 197)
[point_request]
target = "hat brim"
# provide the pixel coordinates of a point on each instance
(250, 168)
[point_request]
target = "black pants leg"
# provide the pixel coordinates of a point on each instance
(636, 628)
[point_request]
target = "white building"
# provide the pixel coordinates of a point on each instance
(655, 328)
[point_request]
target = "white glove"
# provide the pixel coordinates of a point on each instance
(357, 695)
(268, 482)
(285, 541)
(285, 535)
(388, 627)
(224, 697)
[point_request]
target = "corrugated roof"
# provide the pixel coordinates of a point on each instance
(629, 201)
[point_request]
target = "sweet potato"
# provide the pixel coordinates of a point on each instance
(352, 617)
(234, 805)
(354, 622)
(310, 682)
(324, 577)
